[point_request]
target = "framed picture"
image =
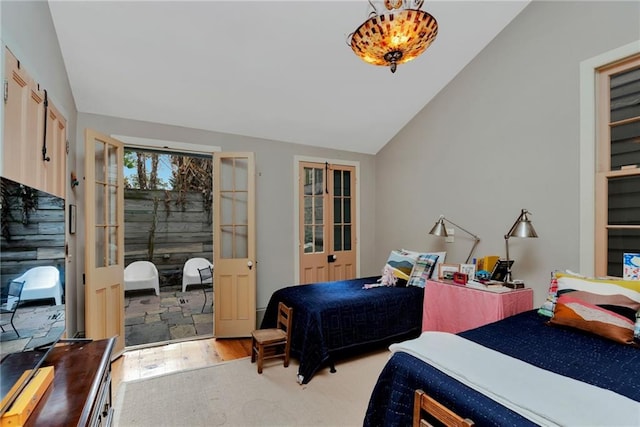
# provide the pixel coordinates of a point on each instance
(72, 219)
(469, 270)
(445, 271)
(630, 266)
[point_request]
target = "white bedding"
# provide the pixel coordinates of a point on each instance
(541, 396)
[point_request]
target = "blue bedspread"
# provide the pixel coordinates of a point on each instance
(332, 319)
(526, 336)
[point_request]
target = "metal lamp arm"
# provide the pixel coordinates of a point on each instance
(476, 238)
(507, 277)
(475, 243)
(515, 224)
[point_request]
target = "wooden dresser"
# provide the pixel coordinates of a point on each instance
(80, 394)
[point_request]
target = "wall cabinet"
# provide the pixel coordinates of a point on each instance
(54, 172)
(32, 123)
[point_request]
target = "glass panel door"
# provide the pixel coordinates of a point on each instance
(313, 202)
(327, 222)
(104, 238)
(234, 245)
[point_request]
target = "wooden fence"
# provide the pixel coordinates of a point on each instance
(167, 228)
(160, 226)
(37, 242)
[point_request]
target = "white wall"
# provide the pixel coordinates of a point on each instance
(502, 136)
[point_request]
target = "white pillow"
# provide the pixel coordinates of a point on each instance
(441, 257)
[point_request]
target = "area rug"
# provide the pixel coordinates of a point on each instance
(234, 394)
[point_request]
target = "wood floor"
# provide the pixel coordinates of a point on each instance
(163, 359)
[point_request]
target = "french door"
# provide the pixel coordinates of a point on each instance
(234, 245)
(327, 219)
(104, 238)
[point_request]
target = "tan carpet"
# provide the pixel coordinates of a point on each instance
(234, 394)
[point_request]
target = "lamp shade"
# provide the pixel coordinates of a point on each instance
(439, 229)
(396, 36)
(523, 227)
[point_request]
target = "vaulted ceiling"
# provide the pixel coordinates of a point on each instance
(279, 70)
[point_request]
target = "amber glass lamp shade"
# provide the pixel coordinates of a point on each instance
(394, 37)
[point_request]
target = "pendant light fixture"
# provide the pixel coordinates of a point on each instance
(397, 34)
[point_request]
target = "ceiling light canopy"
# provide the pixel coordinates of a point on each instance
(397, 35)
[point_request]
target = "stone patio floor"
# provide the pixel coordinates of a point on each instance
(36, 324)
(173, 315)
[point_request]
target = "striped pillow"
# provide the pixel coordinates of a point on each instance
(422, 270)
(546, 309)
(605, 307)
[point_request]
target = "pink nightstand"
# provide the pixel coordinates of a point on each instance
(456, 308)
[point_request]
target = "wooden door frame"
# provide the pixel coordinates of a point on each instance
(234, 276)
(112, 308)
(296, 207)
(588, 71)
(177, 147)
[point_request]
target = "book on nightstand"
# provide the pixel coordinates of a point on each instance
(516, 284)
(493, 287)
(487, 283)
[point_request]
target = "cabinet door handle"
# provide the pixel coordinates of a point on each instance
(45, 158)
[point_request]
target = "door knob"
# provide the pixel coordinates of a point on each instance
(250, 264)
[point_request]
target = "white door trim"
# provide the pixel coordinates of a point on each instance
(183, 147)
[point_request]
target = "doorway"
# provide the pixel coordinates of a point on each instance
(168, 221)
(327, 219)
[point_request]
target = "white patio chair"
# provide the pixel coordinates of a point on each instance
(191, 275)
(41, 283)
(141, 275)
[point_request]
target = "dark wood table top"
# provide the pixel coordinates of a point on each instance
(78, 370)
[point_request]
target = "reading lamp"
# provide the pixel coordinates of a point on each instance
(521, 228)
(439, 229)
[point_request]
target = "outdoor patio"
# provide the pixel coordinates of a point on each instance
(173, 315)
(37, 325)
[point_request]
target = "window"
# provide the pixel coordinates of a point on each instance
(617, 183)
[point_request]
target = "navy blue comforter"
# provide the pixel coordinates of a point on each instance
(334, 319)
(526, 336)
